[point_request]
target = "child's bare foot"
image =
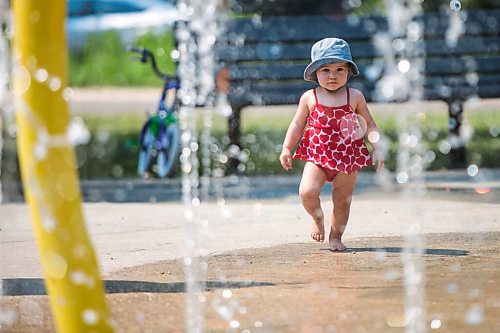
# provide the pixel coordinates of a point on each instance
(318, 230)
(336, 245)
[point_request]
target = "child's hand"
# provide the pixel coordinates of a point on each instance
(378, 159)
(286, 159)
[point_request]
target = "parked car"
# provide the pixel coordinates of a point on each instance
(129, 18)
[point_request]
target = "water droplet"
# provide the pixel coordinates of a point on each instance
(452, 288)
(475, 315)
(55, 84)
(380, 255)
(41, 75)
(435, 324)
(223, 159)
(227, 293)
(78, 133)
(353, 126)
(31, 62)
(429, 156)
(444, 147)
(355, 3)
(194, 146)
(55, 265)
(186, 100)
(234, 324)
(49, 224)
(404, 66)
(455, 5)
(226, 213)
(79, 251)
(78, 277)
(472, 170)
(372, 72)
(175, 54)
(90, 317)
(7, 316)
(374, 137)
(402, 177)
(21, 81)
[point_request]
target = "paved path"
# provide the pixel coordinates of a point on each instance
(106, 100)
(131, 234)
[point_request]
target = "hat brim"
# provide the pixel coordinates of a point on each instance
(310, 71)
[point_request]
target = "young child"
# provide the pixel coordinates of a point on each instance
(332, 144)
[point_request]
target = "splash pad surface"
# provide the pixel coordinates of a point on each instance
(269, 277)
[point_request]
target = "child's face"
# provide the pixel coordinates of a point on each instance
(333, 76)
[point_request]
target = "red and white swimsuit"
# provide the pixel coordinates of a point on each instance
(333, 140)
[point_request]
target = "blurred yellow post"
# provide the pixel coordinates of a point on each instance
(48, 167)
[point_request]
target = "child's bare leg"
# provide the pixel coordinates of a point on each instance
(313, 178)
(343, 185)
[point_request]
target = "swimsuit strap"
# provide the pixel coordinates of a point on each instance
(315, 96)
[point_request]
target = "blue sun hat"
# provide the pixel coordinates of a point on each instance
(329, 51)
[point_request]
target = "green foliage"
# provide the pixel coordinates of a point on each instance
(377, 7)
(113, 150)
(106, 62)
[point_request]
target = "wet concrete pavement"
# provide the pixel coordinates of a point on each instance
(264, 273)
(257, 249)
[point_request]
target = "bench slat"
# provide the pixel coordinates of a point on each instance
(288, 71)
(301, 51)
(292, 96)
(312, 28)
(265, 92)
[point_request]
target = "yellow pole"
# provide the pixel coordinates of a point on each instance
(48, 168)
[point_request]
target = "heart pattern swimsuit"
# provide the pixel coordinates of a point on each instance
(333, 140)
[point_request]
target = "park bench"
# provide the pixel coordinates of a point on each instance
(263, 60)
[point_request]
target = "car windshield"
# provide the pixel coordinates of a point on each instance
(91, 7)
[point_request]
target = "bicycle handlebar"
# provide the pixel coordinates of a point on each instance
(147, 54)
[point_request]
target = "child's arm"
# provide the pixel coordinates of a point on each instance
(295, 130)
(372, 132)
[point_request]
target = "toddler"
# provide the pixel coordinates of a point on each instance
(331, 122)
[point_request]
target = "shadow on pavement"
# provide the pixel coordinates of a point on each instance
(36, 286)
(436, 252)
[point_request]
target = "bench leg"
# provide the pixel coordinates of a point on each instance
(234, 132)
(457, 153)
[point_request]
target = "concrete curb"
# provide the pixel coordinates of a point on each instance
(260, 187)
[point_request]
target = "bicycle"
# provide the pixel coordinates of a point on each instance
(161, 133)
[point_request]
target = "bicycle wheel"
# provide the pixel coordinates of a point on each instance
(168, 155)
(147, 144)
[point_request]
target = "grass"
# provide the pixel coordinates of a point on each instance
(112, 152)
(106, 62)
(113, 149)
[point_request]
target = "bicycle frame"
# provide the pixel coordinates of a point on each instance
(161, 131)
